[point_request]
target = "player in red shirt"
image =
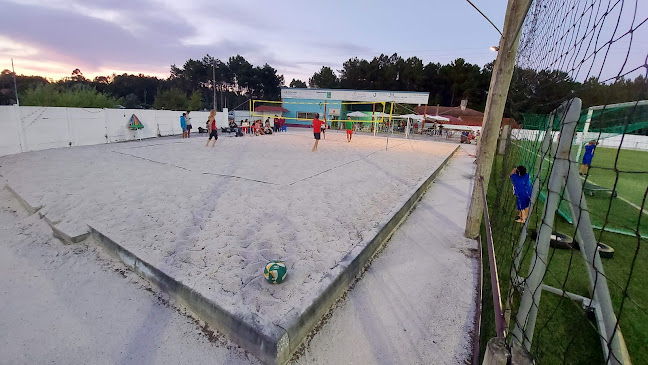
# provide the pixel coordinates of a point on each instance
(213, 131)
(317, 131)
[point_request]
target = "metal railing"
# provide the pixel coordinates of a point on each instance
(500, 322)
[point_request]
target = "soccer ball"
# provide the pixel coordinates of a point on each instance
(275, 272)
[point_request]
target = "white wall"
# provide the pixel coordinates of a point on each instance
(10, 136)
(32, 128)
(241, 115)
(611, 140)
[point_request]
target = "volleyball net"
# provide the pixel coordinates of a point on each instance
(327, 110)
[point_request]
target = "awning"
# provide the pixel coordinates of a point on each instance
(270, 109)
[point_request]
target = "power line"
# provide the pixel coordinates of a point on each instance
(484, 15)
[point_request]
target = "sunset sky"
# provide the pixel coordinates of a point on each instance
(51, 38)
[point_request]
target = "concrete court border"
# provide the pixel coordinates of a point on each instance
(273, 344)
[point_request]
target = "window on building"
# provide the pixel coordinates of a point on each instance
(307, 115)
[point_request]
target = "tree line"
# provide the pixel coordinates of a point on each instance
(204, 83)
(210, 82)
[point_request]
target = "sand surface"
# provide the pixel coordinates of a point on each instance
(416, 302)
(76, 305)
(211, 217)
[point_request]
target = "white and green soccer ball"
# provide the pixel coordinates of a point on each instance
(275, 272)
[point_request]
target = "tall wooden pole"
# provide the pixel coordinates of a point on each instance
(214, 84)
(516, 11)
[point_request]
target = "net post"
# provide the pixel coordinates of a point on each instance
(516, 11)
(611, 339)
(590, 111)
(528, 310)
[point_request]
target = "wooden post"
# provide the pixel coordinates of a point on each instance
(516, 11)
(506, 130)
(424, 117)
(496, 353)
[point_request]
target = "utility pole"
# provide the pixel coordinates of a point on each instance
(22, 140)
(516, 11)
(13, 71)
(214, 81)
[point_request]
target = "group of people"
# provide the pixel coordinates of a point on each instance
(467, 136)
(185, 124)
(523, 188)
(259, 128)
(320, 126)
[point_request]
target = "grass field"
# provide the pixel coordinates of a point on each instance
(632, 170)
(564, 334)
(633, 175)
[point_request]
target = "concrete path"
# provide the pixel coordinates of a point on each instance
(416, 303)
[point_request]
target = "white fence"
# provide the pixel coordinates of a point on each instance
(32, 128)
(630, 141)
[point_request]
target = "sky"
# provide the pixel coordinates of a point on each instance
(100, 37)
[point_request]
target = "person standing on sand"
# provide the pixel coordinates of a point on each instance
(213, 131)
(349, 129)
(188, 123)
(183, 124)
(275, 126)
(317, 131)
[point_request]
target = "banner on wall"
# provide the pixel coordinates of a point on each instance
(405, 97)
(135, 123)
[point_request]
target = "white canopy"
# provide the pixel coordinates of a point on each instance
(378, 115)
(410, 116)
(437, 117)
(460, 127)
(357, 114)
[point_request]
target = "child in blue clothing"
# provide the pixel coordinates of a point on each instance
(522, 189)
(587, 157)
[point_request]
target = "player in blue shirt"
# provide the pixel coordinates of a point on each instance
(522, 189)
(183, 124)
(587, 157)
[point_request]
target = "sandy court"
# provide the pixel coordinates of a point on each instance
(211, 217)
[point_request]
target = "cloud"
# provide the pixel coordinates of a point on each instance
(61, 35)
(12, 48)
(102, 35)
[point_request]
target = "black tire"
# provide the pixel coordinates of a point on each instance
(605, 251)
(558, 240)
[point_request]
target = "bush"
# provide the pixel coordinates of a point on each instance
(172, 99)
(79, 97)
(196, 101)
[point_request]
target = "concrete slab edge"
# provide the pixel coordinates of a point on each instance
(260, 341)
(64, 237)
(299, 323)
(28, 207)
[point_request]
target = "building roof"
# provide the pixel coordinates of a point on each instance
(270, 108)
(362, 90)
(476, 121)
(447, 110)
